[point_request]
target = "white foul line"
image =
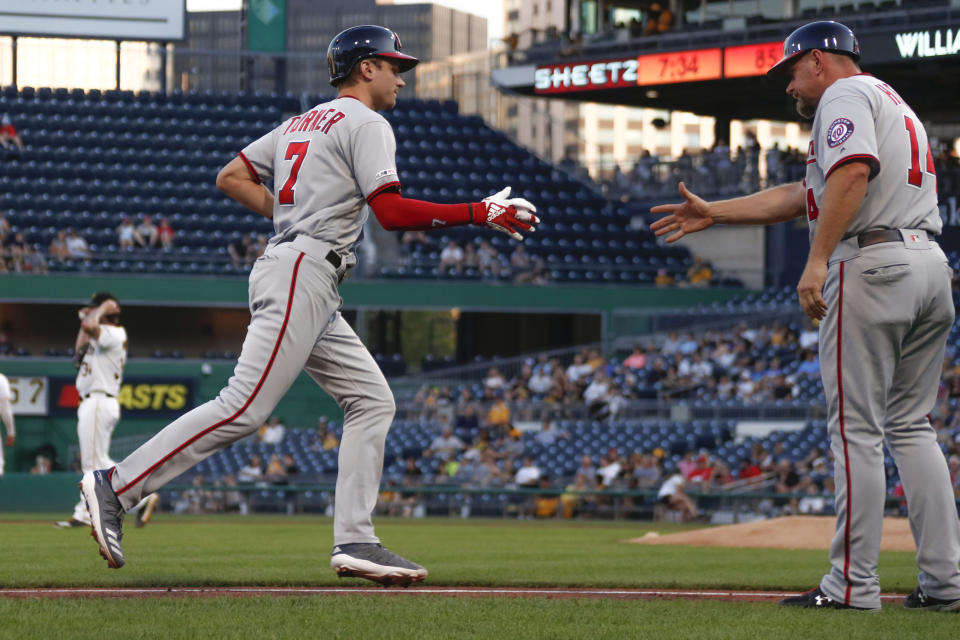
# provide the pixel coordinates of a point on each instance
(133, 591)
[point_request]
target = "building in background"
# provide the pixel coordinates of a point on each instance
(427, 31)
(601, 137)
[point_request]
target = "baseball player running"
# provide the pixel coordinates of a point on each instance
(880, 286)
(330, 166)
(6, 414)
(101, 353)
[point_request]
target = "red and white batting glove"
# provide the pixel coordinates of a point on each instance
(507, 214)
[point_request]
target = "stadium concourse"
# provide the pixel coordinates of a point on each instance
(592, 423)
(122, 156)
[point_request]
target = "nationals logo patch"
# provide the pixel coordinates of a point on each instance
(840, 129)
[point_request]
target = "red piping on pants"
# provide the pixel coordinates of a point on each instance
(256, 390)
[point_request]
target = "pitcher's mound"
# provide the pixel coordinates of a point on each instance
(792, 532)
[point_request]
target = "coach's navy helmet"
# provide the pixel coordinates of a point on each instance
(825, 35)
(352, 45)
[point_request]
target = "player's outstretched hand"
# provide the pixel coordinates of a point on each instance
(689, 216)
(509, 215)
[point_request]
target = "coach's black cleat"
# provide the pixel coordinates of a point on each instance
(920, 600)
(817, 599)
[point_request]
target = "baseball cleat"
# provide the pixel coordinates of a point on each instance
(373, 562)
(146, 511)
(71, 523)
(920, 600)
(817, 599)
(106, 515)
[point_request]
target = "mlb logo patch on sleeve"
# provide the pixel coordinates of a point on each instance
(840, 129)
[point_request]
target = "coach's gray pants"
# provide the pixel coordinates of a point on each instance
(882, 343)
(295, 326)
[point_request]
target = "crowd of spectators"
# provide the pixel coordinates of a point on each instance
(766, 363)
(247, 249)
(145, 235)
(719, 170)
(477, 256)
(16, 254)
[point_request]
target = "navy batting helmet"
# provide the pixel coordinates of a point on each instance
(825, 35)
(352, 45)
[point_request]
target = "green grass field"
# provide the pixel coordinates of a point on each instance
(294, 551)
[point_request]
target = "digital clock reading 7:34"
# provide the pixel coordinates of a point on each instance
(679, 66)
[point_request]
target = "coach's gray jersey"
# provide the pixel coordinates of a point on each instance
(861, 117)
(326, 164)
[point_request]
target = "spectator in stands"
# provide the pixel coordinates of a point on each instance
(488, 258)
(574, 501)
(290, 465)
(813, 503)
(521, 265)
(647, 471)
(579, 369)
(125, 233)
(9, 138)
(781, 388)
(494, 379)
(672, 496)
(596, 395)
(609, 468)
(549, 433)
(276, 472)
(146, 234)
(414, 241)
(637, 359)
(15, 248)
(451, 257)
(663, 278)
(273, 431)
(252, 471)
(4, 227)
(702, 473)
(809, 364)
(196, 499)
(33, 260)
(58, 247)
(749, 471)
(445, 444)
(470, 258)
(244, 251)
(540, 381)
(326, 439)
(699, 274)
(76, 246)
(166, 233)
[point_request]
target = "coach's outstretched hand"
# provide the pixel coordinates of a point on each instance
(506, 214)
(690, 216)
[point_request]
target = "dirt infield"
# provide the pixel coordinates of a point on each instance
(792, 532)
(453, 592)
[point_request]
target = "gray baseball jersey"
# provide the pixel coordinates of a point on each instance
(863, 118)
(882, 341)
(327, 164)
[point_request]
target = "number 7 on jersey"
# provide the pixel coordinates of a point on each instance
(296, 150)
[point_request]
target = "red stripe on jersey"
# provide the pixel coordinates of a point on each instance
(843, 437)
(253, 172)
(379, 190)
(870, 160)
(256, 390)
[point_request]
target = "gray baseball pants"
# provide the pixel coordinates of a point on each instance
(295, 325)
(882, 342)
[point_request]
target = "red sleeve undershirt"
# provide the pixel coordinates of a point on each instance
(397, 213)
